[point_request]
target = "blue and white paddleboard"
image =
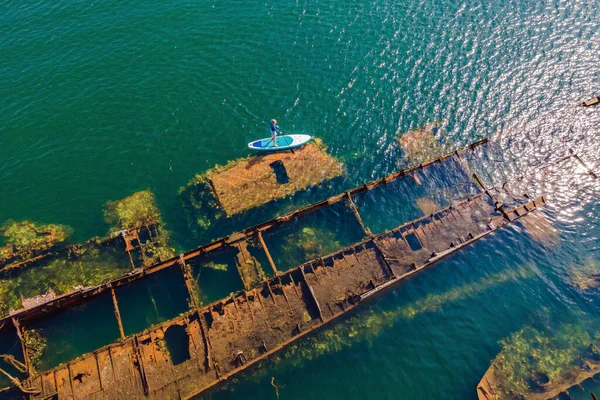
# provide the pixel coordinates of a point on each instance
(283, 142)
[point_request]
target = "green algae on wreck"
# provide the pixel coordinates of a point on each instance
(132, 212)
(138, 211)
(90, 265)
(21, 240)
(420, 145)
(541, 363)
(92, 262)
(250, 182)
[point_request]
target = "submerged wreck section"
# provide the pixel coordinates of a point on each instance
(186, 355)
(138, 240)
(420, 145)
(250, 182)
(206, 344)
(539, 364)
(21, 241)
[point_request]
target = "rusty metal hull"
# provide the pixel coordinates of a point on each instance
(228, 336)
(231, 334)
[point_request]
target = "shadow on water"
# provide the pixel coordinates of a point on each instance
(152, 300)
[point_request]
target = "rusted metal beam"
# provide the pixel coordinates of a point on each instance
(190, 282)
(580, 161)
(312, 295)
(140, 364)
(266, 249)
(117, 312)
(365, 229)
(381, 254)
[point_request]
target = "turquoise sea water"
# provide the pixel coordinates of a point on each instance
(101, 99)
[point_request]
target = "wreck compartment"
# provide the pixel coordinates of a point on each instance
(153, 299)
(70, 332)
(420, 192)
(313, 235)
(88, 264)
(216, 274)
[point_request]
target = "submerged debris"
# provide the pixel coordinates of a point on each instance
(24, 239)
(215, 266)
(93, 262)
(539, 364)
(427, 205)
(541, 230)
(90, 265)
(250, 182)
(135, 212)
(420, 145)
(308, 244)
(586, 277)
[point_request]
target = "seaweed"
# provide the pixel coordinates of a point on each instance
(132, 212)
(532, 359)
(24, 239)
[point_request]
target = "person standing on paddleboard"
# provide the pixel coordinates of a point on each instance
(274, 131)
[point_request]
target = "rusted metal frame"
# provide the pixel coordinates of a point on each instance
(295, 337)
(294, 284)
(97, 369)
(25, 263)
(258, 296)
(312, 295)
(137, 354)
(283, 292)
(190, 282)
(117, 312)
(365, 228)
(266, 250)
(249, 306)
(271, 292)
(206, 341)
(387, 265)
(435, 259)
(314, 271)
(235, 305)
(21, 334)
